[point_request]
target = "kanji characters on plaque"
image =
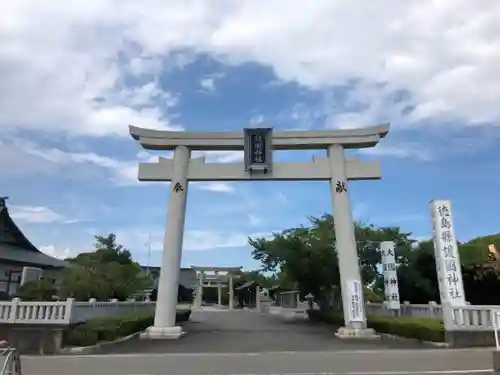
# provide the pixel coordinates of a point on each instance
(355, 300)
(446, 253)
(389, 270)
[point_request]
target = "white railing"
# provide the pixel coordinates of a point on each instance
(83, 311)
(463, 318)
(67, 312)
(470, 318)
(17, 311)
(430, 310)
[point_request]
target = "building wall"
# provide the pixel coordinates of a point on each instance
(10, 277)
(187, 277)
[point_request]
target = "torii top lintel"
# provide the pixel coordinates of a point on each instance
(284, 140)
(213, 269)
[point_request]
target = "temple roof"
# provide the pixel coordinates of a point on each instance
(248, 284)
(15, 247)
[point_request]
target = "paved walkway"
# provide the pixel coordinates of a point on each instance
(249, 332)
(369, 362)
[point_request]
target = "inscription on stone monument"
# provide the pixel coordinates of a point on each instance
(446, 253)
(258, 147)
(389, 270)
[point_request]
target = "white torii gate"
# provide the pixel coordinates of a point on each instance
(230, 273)
(258, 165)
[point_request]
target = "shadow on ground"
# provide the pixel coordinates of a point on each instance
(249, 332)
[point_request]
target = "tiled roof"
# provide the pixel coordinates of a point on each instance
(247, 285)
(15, 247)
(18, 254)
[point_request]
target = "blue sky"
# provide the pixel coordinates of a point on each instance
(73, 78)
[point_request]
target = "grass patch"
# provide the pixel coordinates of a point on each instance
(110, 328)
(423, 329)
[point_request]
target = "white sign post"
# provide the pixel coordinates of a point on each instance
(355, 301)
(448, 264)
(389, 268)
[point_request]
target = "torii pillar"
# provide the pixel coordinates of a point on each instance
(258, 145)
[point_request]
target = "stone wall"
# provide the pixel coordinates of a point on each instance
(33, 339)
(467, 339)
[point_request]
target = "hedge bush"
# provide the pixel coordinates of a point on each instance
(113, 327)
(423, 329)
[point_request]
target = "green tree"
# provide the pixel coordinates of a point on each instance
(105, 273)
(266, 281)
(285, 281)
(475, 251)
(417, 276)
(308, 256)
(39, 290)
(106, 250)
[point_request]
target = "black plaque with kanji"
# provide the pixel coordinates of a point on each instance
(258, 149)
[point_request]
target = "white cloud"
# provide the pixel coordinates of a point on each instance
(401, 150)
(22, 156)
(442, 55)
(199, 240)
(76, 82)
(254, 220)
(207, 84)
(38, 214)
(57, 252)
(194, 240)
(220, 156)
(257, 119)
(217, 187)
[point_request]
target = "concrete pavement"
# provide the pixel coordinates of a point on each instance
(367, 362)
(248, 343)
(250, 332)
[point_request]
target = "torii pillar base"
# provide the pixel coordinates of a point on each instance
(356, 333)
(162, 333)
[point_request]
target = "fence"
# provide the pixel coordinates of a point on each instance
(83, 311)
(65, 312)
(463, 318)
(430, 310)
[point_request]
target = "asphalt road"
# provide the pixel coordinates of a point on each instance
(376, 362)
(249, 332)
(248, 343)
